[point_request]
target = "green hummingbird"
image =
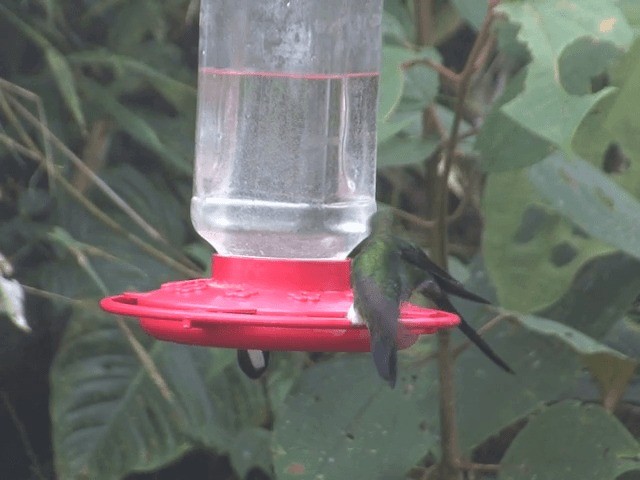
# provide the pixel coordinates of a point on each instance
(385, 271)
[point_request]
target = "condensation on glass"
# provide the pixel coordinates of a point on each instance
(286, 132)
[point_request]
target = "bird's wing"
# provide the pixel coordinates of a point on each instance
(416, 257)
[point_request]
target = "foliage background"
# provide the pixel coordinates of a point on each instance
(545, 221)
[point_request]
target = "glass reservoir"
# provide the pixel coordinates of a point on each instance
(286, 128)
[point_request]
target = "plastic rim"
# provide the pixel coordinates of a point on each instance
(267, 304)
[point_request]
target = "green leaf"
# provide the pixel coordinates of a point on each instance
(251, 450)
(134, 125)
(600, 295)
(488, 399)
(548, 27)
(504, 143)
(62, 73)
(631, 10)
(66, 84)
(133, 21)
(405, 150)
(578, 341)
(531, 252)
(591, 200)
(402, 14)
(393, 30)
(421, 83)
(151, 200)
(403, 89)
(119, 265)
(597, 132)
(285, 369)
(342, 421)
(174, 91)
(570, 440)
(581, 61)
(473, 11)
(623, 114)
(387, 130)
(110, 419)
(612, 369)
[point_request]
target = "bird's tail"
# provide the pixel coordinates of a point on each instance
(472, 335)
(385, 357)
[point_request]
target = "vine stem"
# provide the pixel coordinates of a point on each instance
(449, 466)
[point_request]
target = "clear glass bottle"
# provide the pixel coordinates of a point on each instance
(286, 132)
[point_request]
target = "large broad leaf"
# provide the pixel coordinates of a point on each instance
(251, 450)
(548, 27)
(342, 421)
(601, 129)
(570, 440)
(600, 295)
(611, 369)
(405, 150)
(622, 118)
(531, 252)
(591, 200)
(504, 143)
(403, 88)
(110, 418)
(489, 399)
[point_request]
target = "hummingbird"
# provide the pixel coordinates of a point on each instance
(253, 363)
(385, 271)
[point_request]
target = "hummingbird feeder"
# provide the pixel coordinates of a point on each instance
(284, 180)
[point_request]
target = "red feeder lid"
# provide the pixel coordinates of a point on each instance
(266, 304)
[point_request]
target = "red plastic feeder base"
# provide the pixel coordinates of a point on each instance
(266, 304)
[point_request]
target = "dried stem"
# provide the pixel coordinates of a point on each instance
(31, 151)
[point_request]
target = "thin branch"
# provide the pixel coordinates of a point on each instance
(448, 467)
(191, 268)
(147, 362)
(425, 21)
(99, 214)
(51, 295)
(452, 77)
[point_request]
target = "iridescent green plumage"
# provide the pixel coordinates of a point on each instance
(385, 271)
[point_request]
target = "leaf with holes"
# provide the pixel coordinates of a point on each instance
(531, 252)
(547, 106)
(589, 199)
(503, 142)
(342, 421)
